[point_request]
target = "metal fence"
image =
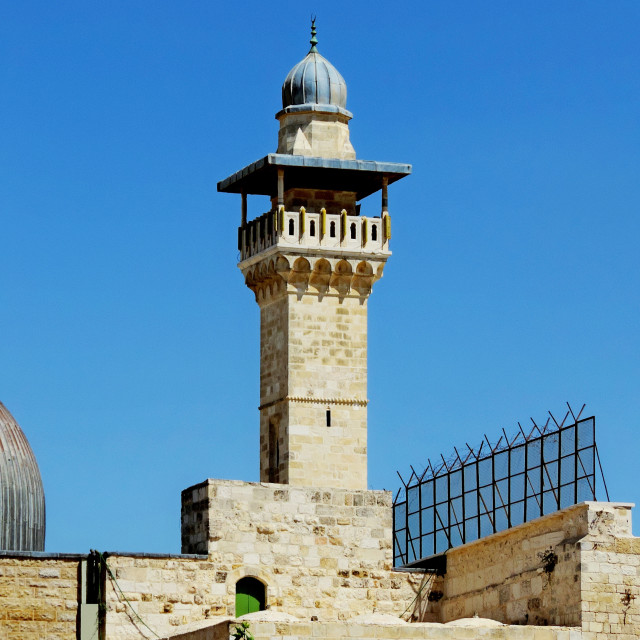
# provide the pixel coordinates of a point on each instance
(493, 488)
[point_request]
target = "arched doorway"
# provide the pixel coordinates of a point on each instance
(250, 596)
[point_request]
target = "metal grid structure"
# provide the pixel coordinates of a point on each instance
(493, 488)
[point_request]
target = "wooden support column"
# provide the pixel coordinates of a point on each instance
(242, 231)
(280, 187)
(243, 222)
(385, 197)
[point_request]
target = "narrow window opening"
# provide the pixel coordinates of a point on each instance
(328, 417)
(353, 230)
(374, 232)
(332, 230)
(291, 227)
(274, 452)
(312, 228)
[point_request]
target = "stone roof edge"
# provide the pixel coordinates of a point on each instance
(42, 555)
(142, 554)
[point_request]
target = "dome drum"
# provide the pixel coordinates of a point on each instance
(315, 133)
(310, 107)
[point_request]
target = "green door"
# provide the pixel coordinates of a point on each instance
(249, 596)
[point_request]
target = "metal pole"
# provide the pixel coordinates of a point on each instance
(575, 462)
(435, 512)
(422, 554)
(464, 503)
(541, 475)
(477, 463)
(493, 488)
(559, 466)
(509, 509)
(526, 476)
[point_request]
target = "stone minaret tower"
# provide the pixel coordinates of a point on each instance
(311, 261)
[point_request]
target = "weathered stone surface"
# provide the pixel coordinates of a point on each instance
(321, 135)
(375, 630)
(38, 598)
(332, 556)
(578, 567)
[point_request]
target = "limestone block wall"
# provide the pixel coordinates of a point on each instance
(324, 135)
(316, 199)
(274, 418)
(577, 567)
(39, 596)
(610, 574)
(323, 554)
(525, 575)
(151, 595)
(313, 390)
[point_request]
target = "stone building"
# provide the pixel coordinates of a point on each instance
(307, 551)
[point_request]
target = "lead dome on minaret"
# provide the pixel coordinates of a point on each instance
(22, 512)
(314, 81)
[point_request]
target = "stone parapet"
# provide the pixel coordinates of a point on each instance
(468, 630)
(147, 596)
(338, 234)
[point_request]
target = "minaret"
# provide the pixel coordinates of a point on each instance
(311, 261)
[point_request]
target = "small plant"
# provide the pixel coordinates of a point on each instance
(549, 560)
(241, 632)
(627, 598)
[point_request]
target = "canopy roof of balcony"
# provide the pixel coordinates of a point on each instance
(363, 177)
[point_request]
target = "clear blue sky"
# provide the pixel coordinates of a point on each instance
(128, 341)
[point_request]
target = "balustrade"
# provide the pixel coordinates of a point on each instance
(314, 230)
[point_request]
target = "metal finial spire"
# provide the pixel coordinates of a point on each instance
(314, 40)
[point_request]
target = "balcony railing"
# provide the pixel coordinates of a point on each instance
(335, 232)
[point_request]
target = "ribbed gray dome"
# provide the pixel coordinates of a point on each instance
(314, 80)
(22, 514)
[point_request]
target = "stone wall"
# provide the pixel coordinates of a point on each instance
(526, 575)
(274, 416)
(149, 594)
(325, 557)
(316, 199)
(323, 554)
(610, 574)
(577, 567)
(324, 135)
(39, 596)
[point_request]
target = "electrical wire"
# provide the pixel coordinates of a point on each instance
(422, 586)
(113, 579)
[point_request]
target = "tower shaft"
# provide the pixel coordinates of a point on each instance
(312, 273)
(313, 389)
